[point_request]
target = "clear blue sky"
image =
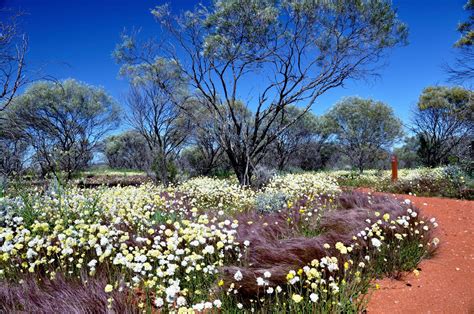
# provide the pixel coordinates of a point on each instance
(76, 38)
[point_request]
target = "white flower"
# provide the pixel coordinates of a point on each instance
(30, 254)
(246, 242)
(267, 274)
(376, 242)
(199, 307)
(294, 280)
(92, 263)
(172, 290)
(217, 303)
(240, 306)
(261, 281)
(238, 276)
(159, 302)
(181, 301)
(209, 249)
(208, 305)
(314, 297)
(270, 290)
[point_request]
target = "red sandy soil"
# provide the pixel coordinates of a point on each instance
(445, 283)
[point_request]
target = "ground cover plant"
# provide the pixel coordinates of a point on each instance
(450, 181)
(206, 245)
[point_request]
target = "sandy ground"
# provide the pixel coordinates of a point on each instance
(445, 283)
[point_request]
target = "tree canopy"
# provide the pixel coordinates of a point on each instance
(63, 122)
(296, 49)
(444, 123)
(365, 129)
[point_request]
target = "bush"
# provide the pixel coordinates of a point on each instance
(450, 181)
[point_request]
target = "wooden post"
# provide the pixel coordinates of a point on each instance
(394, 168)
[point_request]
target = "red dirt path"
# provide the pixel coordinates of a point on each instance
(445, 283)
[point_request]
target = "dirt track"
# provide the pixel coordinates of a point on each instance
(445, 283)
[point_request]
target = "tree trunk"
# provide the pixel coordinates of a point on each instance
(241, 167)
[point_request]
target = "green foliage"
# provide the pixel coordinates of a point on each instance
(449, 181)
(407, 154)
(467, 28)
(270, 202)
(365, 129)
(443, 123)
(453, 100)
(296, 49)
(63, 123)
(127, 150)
(165, 170)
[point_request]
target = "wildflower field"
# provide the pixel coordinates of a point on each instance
(449, 181)
(297, 245)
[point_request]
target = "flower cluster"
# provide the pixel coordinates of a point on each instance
(304, 185)
(85, 232)
(212, 193)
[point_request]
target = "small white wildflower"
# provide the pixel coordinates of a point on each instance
(181, 301)
(261, 281)
(159, 302)
(376, 242)
(314, 297)
(238, 275)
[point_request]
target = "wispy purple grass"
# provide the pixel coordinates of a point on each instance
(276, 246)
(41, 295)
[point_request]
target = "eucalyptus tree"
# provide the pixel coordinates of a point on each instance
(157, 100)
(127, 150)
(63, 123)
(205, 152)
(364, 129)
(13, 49)
(463, 69)
(290, 144)
(444, 124)
(13, 148)
(268, 55)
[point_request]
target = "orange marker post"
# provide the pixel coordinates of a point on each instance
(394, 168)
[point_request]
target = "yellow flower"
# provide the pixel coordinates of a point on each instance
(220, 283)
(386, 217)
(108, 288)
(297, 298)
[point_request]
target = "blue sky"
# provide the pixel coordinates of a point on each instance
(76, 38)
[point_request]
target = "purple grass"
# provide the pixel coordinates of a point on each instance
(41, 295)
(276, 247)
